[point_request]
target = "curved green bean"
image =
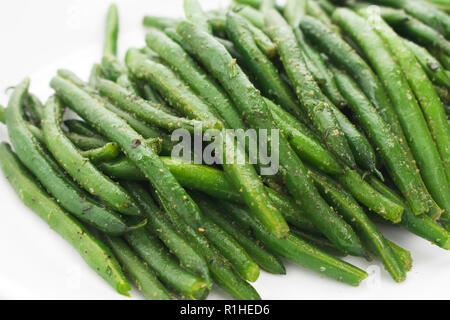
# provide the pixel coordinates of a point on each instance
(93, 251)
(108, 152)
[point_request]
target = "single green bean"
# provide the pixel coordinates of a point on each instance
(297, 250)
(36, 159)
(320, 242)
(308, 91)
(139, 273)
(108, 152)
(294, 11)
(159, 22)
(195, 13)
(254, 16)
(314, 9)
(2, 114)
(111, 31)
(93, 251)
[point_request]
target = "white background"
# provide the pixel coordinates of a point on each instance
(40, 36)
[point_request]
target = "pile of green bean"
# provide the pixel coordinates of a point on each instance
(358, 92)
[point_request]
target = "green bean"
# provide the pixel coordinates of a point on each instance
(244, 176)
(254, 16)
(2, 114)
(33, 109)
(146, 110)
(304, 141)
(79, 167)
(220, 268)
(164, 264)
(32, 154)
(294, 11)
(443, 58)
(407, 107)
(159, 224)
(297, 250)
(355, 215)
(415, 29)
(402, 94)
(263, 41)
(344, 56)
(252, 3)
(327, 5)
(402, 171)
(159, 22)
(142, 128)
(86, 143)
(93, 251)
(403, 254)
(212, 182)
(112, 69)
(132, 144)
(227, 244)
(194, 13)
(253, 106)
(430, 64)
(314, 9)
(368, 196)
(422, 226)
(263, 258)
(320, 242)
(81, 127)
(362, 149)
(431, 106)
(139, 273)
(108, 152)
(191, 72)
(265, 73)
(112, 30)
(324, 78)
(425, 12)
(308, 91)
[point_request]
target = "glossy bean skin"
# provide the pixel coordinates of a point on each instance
(195, 13)
(108, 152)
(148, 111)
(42, 165)
(266, 260)
(406, 106)
(432, 107)
(298, 250)
(253, 106)
(262, 68)
(160, 225)
(79, 167)
(164, 264)
(243, 175)
(403, 172)
(309, 94)
(91, 249)
(355, 215)
(139, 273)
(192, 73)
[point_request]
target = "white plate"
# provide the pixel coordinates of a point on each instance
(41, 36)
